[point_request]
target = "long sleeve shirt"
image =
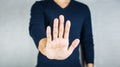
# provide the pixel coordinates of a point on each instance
(43, 14)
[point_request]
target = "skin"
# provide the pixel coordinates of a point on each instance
(62, 3)
(58, 48)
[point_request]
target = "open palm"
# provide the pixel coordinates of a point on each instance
(57, 47)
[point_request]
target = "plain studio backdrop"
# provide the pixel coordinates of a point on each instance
(17, 48)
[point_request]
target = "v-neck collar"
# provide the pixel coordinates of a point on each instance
(59, 7)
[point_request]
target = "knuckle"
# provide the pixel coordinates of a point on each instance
(61, 29)
(55, 32)
(67, 31)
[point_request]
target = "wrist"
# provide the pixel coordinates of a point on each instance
(90, 65)
(42, 45)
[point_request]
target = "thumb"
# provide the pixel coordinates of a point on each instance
(73, 46)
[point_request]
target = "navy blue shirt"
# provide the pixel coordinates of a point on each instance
(43, 14)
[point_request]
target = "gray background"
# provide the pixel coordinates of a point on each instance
(18, 50)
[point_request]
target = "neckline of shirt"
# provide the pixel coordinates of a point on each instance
(60, 8)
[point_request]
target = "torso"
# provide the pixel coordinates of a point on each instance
(75, 12)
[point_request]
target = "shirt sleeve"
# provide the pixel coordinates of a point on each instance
(87, 38)
(37, 24)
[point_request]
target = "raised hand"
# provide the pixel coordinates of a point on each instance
(58, 47)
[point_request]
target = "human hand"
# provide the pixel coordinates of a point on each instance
(58, 47)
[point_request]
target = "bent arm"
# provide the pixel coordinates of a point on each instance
(87, 40)
(37, 25)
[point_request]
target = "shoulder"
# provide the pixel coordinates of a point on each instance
(82, 6)
(39, 4)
